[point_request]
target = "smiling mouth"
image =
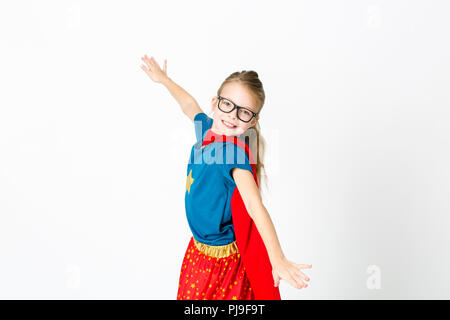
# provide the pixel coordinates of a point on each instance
(228, 125)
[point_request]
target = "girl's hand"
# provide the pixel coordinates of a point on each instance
(290, 271)
(153, 70)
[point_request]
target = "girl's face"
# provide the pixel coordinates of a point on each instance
(241, 96)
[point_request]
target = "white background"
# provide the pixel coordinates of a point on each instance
(93, 153)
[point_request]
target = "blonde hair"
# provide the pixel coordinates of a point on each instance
(252, 136)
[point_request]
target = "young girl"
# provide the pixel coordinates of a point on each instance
(234, 252)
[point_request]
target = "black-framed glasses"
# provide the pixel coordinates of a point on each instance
(226, 105)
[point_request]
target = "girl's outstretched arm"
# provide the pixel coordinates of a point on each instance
(281, 267)
(188, 104)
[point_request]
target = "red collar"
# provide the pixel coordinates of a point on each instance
(214, 137)
(211, 136)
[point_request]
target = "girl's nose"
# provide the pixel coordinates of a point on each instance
(233, 114)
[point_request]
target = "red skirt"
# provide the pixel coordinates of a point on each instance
(213, 273)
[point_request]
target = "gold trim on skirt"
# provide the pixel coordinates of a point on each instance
(217, 251)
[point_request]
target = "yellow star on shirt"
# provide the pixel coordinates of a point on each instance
(189, 181)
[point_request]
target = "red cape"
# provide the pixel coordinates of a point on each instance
(250, 244)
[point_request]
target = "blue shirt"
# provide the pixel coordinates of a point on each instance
(209, 185)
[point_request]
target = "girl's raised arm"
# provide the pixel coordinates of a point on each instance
(188, 104)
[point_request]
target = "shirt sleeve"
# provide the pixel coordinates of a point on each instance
(234, 157)
(201, 123)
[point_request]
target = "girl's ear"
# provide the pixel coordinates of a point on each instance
(213, 103)
(255, 120)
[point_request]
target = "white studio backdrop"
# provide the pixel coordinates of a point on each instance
(93, 154)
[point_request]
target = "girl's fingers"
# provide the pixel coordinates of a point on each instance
(299, 282)
(147, 62)
(301, 275)
(293, 281)
(154, 63)
(294, 276)
(145, 69)
(303, 266)
(276, 280)
(298, 268)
